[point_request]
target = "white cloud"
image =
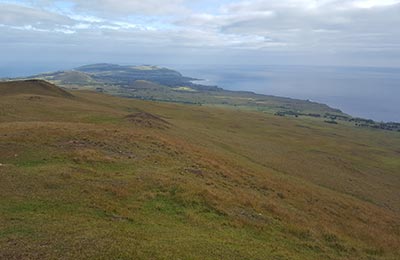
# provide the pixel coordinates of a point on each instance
(308, 25)
(303, 26)
(12, 14)
(113, 8)
(374, 3)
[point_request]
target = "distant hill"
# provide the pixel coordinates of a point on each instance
(148, 82)
(69, 78)
(162, 84)
(36, 87)
(126, 75)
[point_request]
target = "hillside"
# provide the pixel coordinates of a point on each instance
(34, 87)
(102, 177)
(162, 84)
(69, 78)
(125, 75)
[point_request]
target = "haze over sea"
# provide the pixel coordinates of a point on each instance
(372, 93)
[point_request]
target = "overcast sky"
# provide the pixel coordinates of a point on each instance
(59, 34)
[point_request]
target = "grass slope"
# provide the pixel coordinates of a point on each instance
(101, 177)
(38, 87)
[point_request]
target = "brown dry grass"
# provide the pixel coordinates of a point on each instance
(78, 180)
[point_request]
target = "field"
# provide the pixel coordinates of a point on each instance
(93, 176)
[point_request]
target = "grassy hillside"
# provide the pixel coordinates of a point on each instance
(71, 78)
(102, 177)
(37, 87)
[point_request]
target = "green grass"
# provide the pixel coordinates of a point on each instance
(80, 181)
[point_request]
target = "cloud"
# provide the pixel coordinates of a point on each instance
(19, 15)
(113, 8)
(304, 24)
(374, 3)
(294, 27)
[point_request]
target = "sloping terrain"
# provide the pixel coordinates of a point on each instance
(125, 75)
(90, 178)
(144, 119)
(162, 84)
(70, 78)
(37, 87)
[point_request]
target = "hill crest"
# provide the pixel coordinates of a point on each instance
(32, 86)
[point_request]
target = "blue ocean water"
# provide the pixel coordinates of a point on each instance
(372, 93)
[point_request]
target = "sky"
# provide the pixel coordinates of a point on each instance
(47, 34)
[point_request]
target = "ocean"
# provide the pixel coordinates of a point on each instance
(366, 92)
